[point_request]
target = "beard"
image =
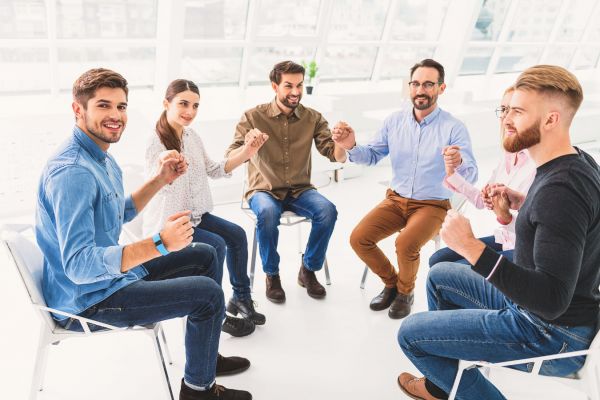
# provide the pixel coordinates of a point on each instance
(96, 130)
(423, 106)
(523, 140)
(286, 102)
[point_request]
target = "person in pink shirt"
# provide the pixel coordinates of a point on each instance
(515, 170)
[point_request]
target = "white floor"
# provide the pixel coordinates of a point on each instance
(308, 349)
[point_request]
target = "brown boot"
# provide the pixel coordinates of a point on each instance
(308, 280)
(414, 387)
(400, 307)
(275, 292)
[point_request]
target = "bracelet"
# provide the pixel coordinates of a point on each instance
(160, 246)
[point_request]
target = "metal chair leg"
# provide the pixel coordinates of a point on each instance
(164, 339)
(364, 277)
(253, 258)
(37, 382)
(327, 277)
(161, 359)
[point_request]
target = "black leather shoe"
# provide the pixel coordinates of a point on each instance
(231, 365)
(274, 290)
(383, 299)
(216, 392)
(246, 309)
(237, 326)
(307, 279)
(400, 307)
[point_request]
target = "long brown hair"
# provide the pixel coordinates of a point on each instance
(166, 133)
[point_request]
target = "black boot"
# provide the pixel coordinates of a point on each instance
(237, 326)
(246, 309)
(216, 392)
(231, 365)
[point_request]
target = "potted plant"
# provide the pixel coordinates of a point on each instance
(310, 72)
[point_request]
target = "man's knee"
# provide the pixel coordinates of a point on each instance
(268, 216)
(441, 272)
(326, 213)
(359, 239)
(239, 236)
(413, 327)
(210, 296)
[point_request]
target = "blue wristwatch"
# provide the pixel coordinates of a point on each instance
(160, 246)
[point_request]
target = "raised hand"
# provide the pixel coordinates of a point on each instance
(171, 165)
(343, 135)
(456, 231)
(178, 231)
(515, 199)
(253, 141)
(452, 158)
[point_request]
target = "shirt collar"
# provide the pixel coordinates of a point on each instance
(89, 145)
(274, 109)
(509, 160)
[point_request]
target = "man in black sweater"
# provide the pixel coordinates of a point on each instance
(545, 302)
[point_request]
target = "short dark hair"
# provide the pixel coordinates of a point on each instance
(285, 67)
(429, 63)
(86, 85)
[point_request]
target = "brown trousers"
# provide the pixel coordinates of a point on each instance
(416, 221)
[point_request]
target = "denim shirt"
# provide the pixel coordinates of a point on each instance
(415, 149)
(80, 212)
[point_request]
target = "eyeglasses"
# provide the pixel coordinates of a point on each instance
(502, 111)
(427, 85)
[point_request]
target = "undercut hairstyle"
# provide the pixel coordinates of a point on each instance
(429, 63)
(285, 67)
(86, 85)
(166, 133)
(554, 81)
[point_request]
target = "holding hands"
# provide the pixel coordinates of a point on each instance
(452, 158)
(171, 165)
(343, 135)
(178, 231)
(253, 141)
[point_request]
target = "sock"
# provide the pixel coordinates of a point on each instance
(434, 390)
(198, 388)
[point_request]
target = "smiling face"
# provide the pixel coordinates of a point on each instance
(182, 109)
(289, 91)
(522, 122)
(422, 98)
(104, 117)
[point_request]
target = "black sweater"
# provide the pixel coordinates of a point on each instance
(556, 269)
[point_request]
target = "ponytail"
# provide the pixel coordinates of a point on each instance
(167, 134)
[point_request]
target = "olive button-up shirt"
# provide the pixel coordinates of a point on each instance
(282, 166)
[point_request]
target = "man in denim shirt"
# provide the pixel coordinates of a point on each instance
(80, 212)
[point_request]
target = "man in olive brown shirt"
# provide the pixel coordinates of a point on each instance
(279, 175)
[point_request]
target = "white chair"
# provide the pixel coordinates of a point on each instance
(585, 380)
(288, 218)
(28, 259)
(457, 202)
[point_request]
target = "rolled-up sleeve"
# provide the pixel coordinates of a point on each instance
(73, 194)
(468, 168)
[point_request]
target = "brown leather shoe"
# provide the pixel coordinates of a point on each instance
(400, 307)
(383, 299)
(414, 387)
(308, 280)
(275, 292)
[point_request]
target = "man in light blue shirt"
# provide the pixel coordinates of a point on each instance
(417, 140)
(81, 208)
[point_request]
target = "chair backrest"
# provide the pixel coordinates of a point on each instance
(29, 261)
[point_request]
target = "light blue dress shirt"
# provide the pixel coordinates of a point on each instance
(415, 150)
(80, 212)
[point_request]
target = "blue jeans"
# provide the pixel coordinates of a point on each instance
(310, 204)
(448, 255)
(230, 241)
(469, 319)
(177, 285)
